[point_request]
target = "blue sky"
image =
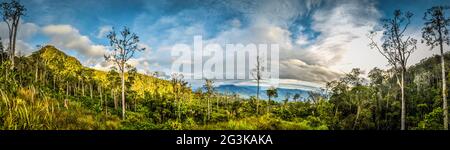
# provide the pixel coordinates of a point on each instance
(319, 40)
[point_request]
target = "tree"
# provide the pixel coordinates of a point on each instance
(209, 87)
(271, 92)
(296, 97)
(377, 76)
(132, 75)
(177, 84)
(12, 12)
(435, 33)
(1, 50)
(286, 98)
(359, 92)
(257, 75)
(123, 49)
(396, 48)
(114, 82)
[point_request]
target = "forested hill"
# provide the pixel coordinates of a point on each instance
(61, 67)
(49, 79)
(429, 67)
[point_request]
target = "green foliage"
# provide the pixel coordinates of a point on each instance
(432, 120)
(267, 122)
(37, 111)
(50, 90)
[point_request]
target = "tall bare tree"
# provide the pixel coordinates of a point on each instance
(396, 48)
(12, 12)
(257, 75)
(435, 33)
(123, 49)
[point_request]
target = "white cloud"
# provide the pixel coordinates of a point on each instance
(103, 66)
(340, 45)
(23, 48)
(69, 38)
(284, 83)
(342, 26)
(338, 28)
(297, 69)
(269, 23)
(26, 31)
(302, 40)
(103, 31)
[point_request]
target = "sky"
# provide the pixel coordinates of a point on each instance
(319, 40)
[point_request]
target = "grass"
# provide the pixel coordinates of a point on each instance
(265, 122)
(36, 111)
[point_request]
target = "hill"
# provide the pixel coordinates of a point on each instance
(248, 91)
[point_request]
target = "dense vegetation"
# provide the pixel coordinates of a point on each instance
(50, 90)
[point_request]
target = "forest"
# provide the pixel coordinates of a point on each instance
(50, 90)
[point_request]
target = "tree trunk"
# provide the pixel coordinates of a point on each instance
(67, 89)
(257, 93)
(15, 26)
(101, 96)
(10, 39)
(179, 109)
(115, 99)
(82, 87)
(90, 89)
(11, 48)
(403, 112)
(358, 111)
(379, 109)
(336, 111)
(54, 82)
(444, 89)
(106, 102)
(75, 89)
(209, 111)
(36, 73)
(123, 95)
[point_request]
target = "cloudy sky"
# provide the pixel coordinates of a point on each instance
(319, 40)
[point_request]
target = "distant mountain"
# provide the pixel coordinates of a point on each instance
(247, 91)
